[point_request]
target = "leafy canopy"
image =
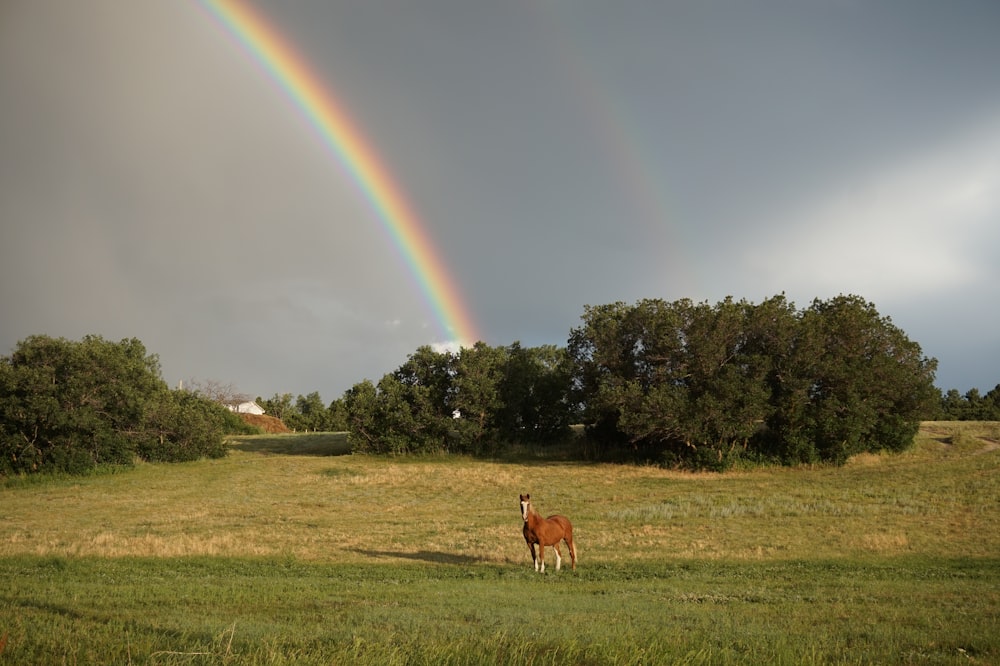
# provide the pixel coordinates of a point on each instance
(704, 385)
(71, 406)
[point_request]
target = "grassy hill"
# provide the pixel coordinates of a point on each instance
(291, 550)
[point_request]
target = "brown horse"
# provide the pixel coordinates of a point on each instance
(546, 532)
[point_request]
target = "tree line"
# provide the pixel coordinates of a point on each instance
(679, 383)
(309, 413)
(972, 406)
(468, 401)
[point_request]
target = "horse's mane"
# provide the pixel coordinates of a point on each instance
(531, 508)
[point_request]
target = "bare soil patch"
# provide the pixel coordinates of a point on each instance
(269, 424)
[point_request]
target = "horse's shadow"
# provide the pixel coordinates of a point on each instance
(422, 556)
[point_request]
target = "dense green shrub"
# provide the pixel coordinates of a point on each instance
(706, 385)
(71, 406)
(476, 401)
(186, 426)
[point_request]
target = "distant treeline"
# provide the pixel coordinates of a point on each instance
(681, 384)
(970, 407)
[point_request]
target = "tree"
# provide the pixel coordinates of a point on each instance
(794, 352)
(651, 398)
(184, 426)
(679, 379)
(975, 405)
(991, 405)
(870, 384)
(605, 369)
(310, 413)
(364, 427)
(408, 420)
(71, 406)
(475, 399)
(534, 395)
(953, 406)
(704, 385)
(393, 417)
(217, 391)
(278, 406)
(339, 418)
(405, 412)
(434, 371)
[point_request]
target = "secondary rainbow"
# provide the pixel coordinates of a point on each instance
(314, 98)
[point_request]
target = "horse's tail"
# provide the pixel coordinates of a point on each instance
(570, 542)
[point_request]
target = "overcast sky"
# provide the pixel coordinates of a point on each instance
(155, 183)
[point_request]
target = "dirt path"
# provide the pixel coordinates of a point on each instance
(991, 445)
(944, 434)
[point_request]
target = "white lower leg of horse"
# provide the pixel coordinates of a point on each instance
(558, 560)
(536, 565)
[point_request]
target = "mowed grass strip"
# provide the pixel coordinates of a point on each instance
(283, 611)
(291, 551)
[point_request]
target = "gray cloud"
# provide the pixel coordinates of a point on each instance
(155, 183)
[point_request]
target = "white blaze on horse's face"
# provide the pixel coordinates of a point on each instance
(525, 504)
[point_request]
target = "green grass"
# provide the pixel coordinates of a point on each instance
(289, 551)
(307, 444)
(257, 611)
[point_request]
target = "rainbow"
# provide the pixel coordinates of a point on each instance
(317, 102)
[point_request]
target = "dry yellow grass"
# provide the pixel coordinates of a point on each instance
(932, 500)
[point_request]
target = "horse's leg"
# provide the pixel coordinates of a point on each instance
(558, 555)
(568, 538)
(534, 557)
(541, 557)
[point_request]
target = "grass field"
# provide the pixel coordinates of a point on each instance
(291, 551)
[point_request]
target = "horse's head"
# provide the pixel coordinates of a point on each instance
(525, 506)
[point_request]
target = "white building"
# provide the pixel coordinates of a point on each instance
(249, 407)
